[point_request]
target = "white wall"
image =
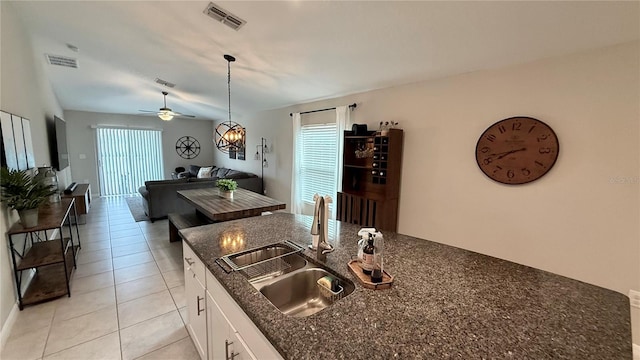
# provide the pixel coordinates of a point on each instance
(277, 171)
(581, 220)
(81, 139)
(26, 92)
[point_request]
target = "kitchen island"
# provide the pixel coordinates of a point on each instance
(445, 302)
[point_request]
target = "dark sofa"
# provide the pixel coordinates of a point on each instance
(160, 197)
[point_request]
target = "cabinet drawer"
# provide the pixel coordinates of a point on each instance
(192, 263)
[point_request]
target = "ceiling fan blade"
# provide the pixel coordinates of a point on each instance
(165, 110)
(182, 115)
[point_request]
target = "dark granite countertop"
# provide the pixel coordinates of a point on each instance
(445, 302)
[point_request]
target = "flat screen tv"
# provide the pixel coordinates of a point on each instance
(58, 142)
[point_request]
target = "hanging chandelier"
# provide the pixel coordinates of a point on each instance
(229, 135)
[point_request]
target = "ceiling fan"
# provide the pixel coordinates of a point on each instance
(166, 113)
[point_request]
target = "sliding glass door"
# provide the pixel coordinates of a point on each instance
(127, 158)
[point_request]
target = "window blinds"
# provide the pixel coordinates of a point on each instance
(317, 154)
(127, 158)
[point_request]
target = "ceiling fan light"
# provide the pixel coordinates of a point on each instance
(164, 115)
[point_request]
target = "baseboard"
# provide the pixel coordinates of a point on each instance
(636, 352)
(8, 325)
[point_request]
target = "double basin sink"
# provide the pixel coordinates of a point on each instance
(288, 279)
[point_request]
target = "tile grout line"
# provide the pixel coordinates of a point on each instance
(115, 291)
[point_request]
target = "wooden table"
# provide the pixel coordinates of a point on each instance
(82, 194)
(244, 204)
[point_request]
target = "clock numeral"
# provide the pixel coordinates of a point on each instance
(544, 150)
(525, 171)
(498, 168)
(487, 161)
(491, 137)
(533, 127)
(502, 129)
(516, 126)
(539, 163)
(542, 137)
(510, 174)
(484, 150)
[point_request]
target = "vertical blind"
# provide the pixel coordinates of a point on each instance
(317, 154)
(127, 158)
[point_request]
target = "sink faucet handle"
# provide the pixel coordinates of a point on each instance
(327, 248)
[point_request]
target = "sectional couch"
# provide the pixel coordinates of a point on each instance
(159, 198)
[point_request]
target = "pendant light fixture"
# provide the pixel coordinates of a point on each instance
(229, 135)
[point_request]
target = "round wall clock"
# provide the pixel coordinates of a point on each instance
(187, 147)
(517, 150)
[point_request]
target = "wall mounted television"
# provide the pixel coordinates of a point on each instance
(58, 144)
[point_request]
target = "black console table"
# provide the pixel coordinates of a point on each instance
(51, 260)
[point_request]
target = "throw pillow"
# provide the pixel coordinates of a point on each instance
(222, 173)
(204, 172)
(193, 170)
(235, 174)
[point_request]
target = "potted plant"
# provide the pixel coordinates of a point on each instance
(24, 193)
(226, 187)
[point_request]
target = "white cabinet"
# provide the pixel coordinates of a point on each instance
(218, 327)
(223, 340)
(194, 290)
(247, 339)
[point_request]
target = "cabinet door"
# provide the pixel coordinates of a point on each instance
(196, 301)
(223, 341)
(246, 337)
(239, 349)
(196, 312)
(218, 330)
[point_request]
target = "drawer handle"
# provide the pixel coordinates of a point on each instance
(226, 349)
(189, 261)
(198, 305)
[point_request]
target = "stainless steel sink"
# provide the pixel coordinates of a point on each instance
(286, 278)
(298, 293)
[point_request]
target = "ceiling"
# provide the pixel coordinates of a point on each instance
(293, 52)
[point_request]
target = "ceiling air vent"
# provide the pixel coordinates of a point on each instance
(62, 61)
(225, 17)
(164, 83)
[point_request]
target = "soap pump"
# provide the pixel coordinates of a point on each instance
(364, 236)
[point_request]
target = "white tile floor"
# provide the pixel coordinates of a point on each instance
(127, 297)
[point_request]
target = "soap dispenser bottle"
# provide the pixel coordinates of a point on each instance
(367, 256)
(377, 269)
(364, 236)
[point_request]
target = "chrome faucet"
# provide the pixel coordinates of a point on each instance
(320, 227)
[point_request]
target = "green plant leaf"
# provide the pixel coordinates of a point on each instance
(22, 191)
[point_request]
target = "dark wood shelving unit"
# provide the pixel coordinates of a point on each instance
(371, 171)
(44, 253)
(49, 282)
(52, 260)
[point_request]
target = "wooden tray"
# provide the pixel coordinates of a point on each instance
(365, 280)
